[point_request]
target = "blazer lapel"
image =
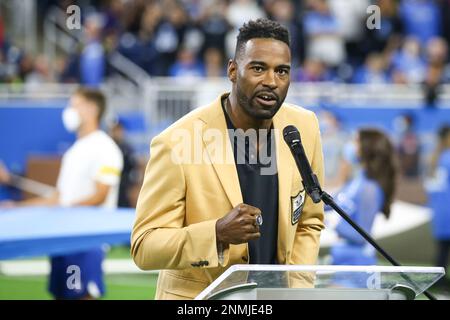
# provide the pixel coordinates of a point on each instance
(285, 172)
(225, 167)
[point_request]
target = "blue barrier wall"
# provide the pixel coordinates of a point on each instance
(31, 128)
(35, 127)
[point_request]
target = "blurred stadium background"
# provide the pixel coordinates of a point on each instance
(158, 59)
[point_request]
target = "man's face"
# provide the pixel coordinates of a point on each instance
(261, 76)
(84, 107)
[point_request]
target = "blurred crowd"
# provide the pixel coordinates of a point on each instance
(330, 40)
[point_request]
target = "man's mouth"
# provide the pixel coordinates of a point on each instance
(266, 99)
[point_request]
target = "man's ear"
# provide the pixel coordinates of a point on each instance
(93, 110)
(232, 70)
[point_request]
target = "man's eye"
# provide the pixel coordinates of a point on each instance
(257, 69)
(282, 72)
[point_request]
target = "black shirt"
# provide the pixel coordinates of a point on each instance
(259, 189)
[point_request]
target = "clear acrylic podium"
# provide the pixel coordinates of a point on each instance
(296, 282)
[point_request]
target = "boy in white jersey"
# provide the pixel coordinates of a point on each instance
(89, 176)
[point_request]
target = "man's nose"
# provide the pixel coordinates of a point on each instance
(269, 80)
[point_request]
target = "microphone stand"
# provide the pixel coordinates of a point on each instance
(317, 195)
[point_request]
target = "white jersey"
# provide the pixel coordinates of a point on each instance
(93, 158)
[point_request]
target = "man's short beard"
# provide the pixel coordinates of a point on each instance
(251, 109)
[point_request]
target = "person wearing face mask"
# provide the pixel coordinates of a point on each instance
(368, 192)
(89, 176)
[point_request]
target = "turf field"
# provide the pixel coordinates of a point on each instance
(118, 286)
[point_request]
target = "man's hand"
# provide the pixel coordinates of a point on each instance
(238, 226)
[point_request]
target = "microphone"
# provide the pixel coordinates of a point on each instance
(310, 181)
(313, 189)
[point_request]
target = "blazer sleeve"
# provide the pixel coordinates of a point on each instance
(159, 239)
(311, 223)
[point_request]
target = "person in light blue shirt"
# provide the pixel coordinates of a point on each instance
(369, 192)
(408, 64)
(438, 189)
(373, 71)
(421, 19)
(92, 58)
(187, 65)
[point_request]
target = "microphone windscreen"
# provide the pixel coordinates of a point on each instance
(290, 134)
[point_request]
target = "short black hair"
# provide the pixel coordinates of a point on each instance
(261, 28)
(96, 97)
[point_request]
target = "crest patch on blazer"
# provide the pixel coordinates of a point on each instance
(297, 204)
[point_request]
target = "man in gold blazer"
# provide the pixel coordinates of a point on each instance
(200, 207)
